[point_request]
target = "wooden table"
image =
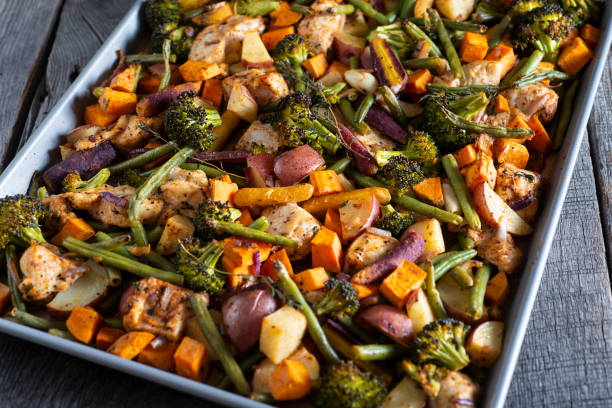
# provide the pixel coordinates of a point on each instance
(567, 354)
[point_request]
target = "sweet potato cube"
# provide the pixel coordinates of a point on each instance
(504, 55)
(222, 190)
(94, 115)
(316, 66)
(84, 323)
(289, 380)
(148, 84)
(590, 35)
(213, 91)
(540, 142)
(245, 217)
(416, 84)
(398, 286)
(76, 228)
(325, 182)
(193, 71)
(284, 16)
(131, 344)
(273, 37)
(311, 279)
(268, 267)
(338, 67)
(466, 155)
(481, 170)
(326, 250)
(117, 102)
(364, 291)
(497, 289)
(238, 273)
(127, 80)
(474, 47)
(107, 336)
(430, 190)
(5, 297)
(191, 360)
(518, 122)
(575, 56)
(508, 151)
(332, 221)
(159, 355)
(501, 104)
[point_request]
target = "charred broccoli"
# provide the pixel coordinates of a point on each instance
(255, 8)
(181, 38)
(420, 148)
(429, 376)
(589, 9)
(400, 174)
(340, 297)
(20, 216)
(131, 177)
(210, 209)
(297, 125)
(442, 342)
(343, 385)
(190, 124)
(197, 265)
(72, 182)
(519, 7)
(158, 12)
(396, 37)
(289, 55)
(394, 221)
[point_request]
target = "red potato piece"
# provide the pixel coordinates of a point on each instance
(456, 390)
(358, 215)
(124, 308)
(254, 52)
(456, 300)
(156, 103)
(484, 344)
(494, 211)
(347, 46)
(295, 164)
(410, 248)
(242, 316)
(365, 162)
(389, 321)
(260, 170)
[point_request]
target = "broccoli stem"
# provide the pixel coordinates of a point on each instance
(433, 296)
(349, 114)
(165, 80)
(245, 365)
(408, 202)
(552, 76)
(97, 180)
(394, 106)
(33, 233)
(447, 44)
(213, 172)
(373, 352)
(142, 159)
(150, 185)
(36, 322)
(314, 328)
(210, 331)
(499, 31)
(565, 115)
(454, 25)
(64, 334)
(495, 131)
(364, 108)
(120, 262)
(439, 65)
(481, 278)
(407, 8)
(464, 241)
(239, 230)
(340, 165)
(154, 234)
(458, 184)
(12, 277)
(527, 67)
(349, 324)
(415, 32)
(370, 11)
(449, 262)
(462, 276)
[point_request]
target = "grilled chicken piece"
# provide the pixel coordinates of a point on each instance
(457, 390)
(504, 118)
(499, 250)
(292, 221)
(157, 307)
(209, 45)
(265, 87)
(320, 27)
(373, 140)
(235, 29)
(262, 136)
(184, 190)
(367, 249)
(60, 211)
(520, 189)
(125, 134)
(533, 99)
(45, 272)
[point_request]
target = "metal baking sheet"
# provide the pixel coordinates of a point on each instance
(41, 150)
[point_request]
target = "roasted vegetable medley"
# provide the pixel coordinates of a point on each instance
(320, 202)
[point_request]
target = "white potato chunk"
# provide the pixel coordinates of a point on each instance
(281, 333)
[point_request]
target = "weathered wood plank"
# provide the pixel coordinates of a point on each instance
(25, 29)
(567, 354)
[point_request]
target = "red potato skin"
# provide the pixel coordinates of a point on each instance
(344, 51)
(390, 321)
(156, 103)
(295, 164)
(492, 211)
(410, 248)
(242, 316)
(365, 162)
(124, 308)
(383, 122)
(260, 170)
(354, 210)
(86, 162)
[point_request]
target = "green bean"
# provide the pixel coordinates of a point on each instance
(364, 108)
(354, 62)
(165, 80)
(447, 44)
(464, 241)
(260, 224)
(478, 290)
(407, 8)
(415, 32)
(155, 234)
(340, 165)
(394, 106)
(349, 324)
(142, 159)
(64, 334)
(463, 195)
(373, 352)
(114, 322)
(499, 31)
(439, 65)
(156, 58)
(462, 276)
(453, 25)
(456, 259)
(565, 115)
(245, 365)
(527, 66)
(433, 296)
(111, 243)
(551, 75)
(349, 114)
(36, 322)
(12, 277)
(344, 9)
(103, 238)
(210, 331)
(462, 90)
(370, 11)
(213, 172)
(234, 228)
(491, 130)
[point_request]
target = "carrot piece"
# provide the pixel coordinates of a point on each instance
(311, 279)
(364, 291)
(193, 71)
(483, 169)
(430, 190)
(325, 182)
(117, 102)
(84, 323)
(575, 56)
(509, 151)
(540, 142)
(107, 336)
(94, 115)
(416, 84)
(268, 268)
(504, 55)
(466, 155)
(474, 47)
(497, 289)
(131, 344)
(286, 18)
(273, 37)
(191, 359)
(127, 80)
(316, 66)
(5, 297)
(289, 380)
(501, 104)
(398, 286)
(159, 356)
(245, 217)
(590, 35)
(76, 228)
(332, 221)
(222, 190)
(326, 250)
(213, 91)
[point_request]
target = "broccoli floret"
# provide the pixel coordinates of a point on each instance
(340, 298)
(541, 29)
(297, 125)
(72, 182)
(343, 385)
(396, 37)
(132, 178)
(20, 218)
(158, 12)
(442, 342)
(429, 376)
(180, 38)
(289, 55)
(189, 124)
(420, 147)
(197, 265)
(584, 10)
(210, 209)
(520, 7)
(400, 174)
(255, 8)
(394, 221)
